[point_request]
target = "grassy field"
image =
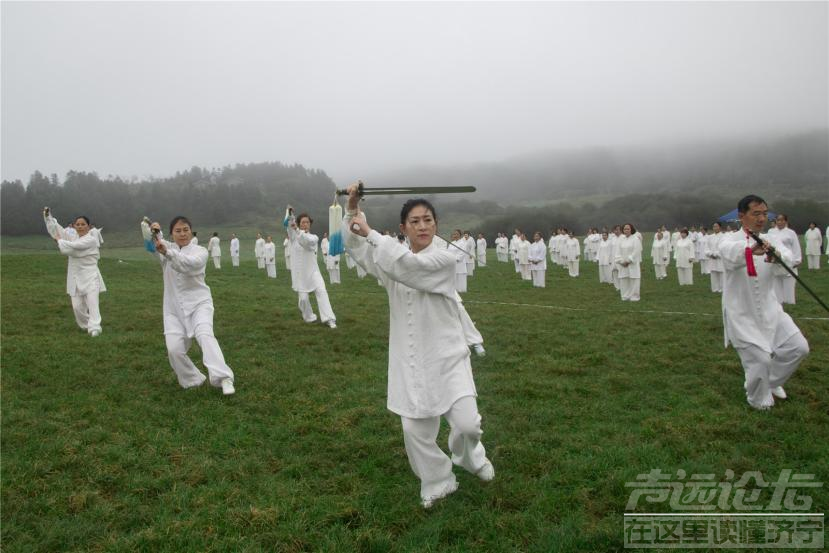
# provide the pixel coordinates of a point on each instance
(579, 393)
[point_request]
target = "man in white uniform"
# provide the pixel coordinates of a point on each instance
(768, 342)
(259, 251)
(214, 247)
(784, 283)
(481, 249)
(269, 253)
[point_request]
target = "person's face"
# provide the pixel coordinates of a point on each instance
(617, 231)
(605, 236)
(420, 228)
(466, 235)
(305, 224)
(536, 236)
(258, 235)
(780, 223)
(455, 234)
(659, 235)
(269, 239)
(627, 230)
(182, 234)
(755, 217)
(811, 225)
(716, 228)
(683, 234)
(81, 226)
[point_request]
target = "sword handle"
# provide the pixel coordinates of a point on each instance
(360, 190)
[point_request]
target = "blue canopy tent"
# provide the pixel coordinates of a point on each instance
(731, 217)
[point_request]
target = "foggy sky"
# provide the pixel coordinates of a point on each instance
(355, 88)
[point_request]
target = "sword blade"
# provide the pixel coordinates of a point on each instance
(411, 190)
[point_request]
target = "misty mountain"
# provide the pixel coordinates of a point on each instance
(785, 166)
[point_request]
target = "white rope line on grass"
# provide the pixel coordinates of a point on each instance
(651, 311)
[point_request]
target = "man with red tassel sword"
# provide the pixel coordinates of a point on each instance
(769, 344)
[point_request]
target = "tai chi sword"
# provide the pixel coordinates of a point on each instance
(411, 190)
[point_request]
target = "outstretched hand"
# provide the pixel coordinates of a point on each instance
(353, 198)
(359, 226)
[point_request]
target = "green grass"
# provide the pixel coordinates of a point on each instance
(102, 451)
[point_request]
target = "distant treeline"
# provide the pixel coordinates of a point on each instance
(251, 194)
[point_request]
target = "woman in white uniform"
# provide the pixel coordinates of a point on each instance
(604, 256)
(430, 374)
(83, 279)
(480, 245)
(538, 260)
(523, 257)
(259, 251)
(188, 308)
(784, 283)
(269, 254)
(659, 254)
(684, 257)
(214, 247)
(813, 243)
(715, 263)
(234, 250)
(629, 262)
(305, 273)
(572, 250)
(458, 250)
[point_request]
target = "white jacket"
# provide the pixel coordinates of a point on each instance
(429, 367)
(305, 272)
(213, 247)
(187, 300)
(538, 256)
(82, 274)
(234, 247)
(629, 250)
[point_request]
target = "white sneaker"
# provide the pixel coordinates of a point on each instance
(227, 387)
(479, 350)
(427, 502)
(332, 324)
(779, 392)
(96, 333)
(486, 472)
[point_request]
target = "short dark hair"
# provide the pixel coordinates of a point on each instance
(301, 216)
(179, 218)
(215, 234)
(413, 203)
(632, 228)
(783, 216)
(742, 205)
(84, 217)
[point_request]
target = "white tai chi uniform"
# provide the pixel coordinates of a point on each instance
(538, 262)
(188, 314)
(332, 263)
(269, 254)
(784, 283)
(769, 343)
(684, 257)
(259, 252)
(502, 249)
(213, 246)
(604, 256)
(813, 243)
(513, 251)
(286, 246)
(481, 250)
(430, 374)
(469, 246)
(699, 252)
(629, 250)
(659, 254)
(83, 279)
(194, 241)
(306, 276)
(523, 257)
(614, 244)
(458, 252)
(234, 251)
(572, 252)
(715, 265)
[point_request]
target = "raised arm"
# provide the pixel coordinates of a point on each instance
(54, 228)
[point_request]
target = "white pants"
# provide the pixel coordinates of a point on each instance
(428, 461)
(502, 257)
(525, 272)
(765, 371)
(482, 259)
(606, 274)
(288, 262)
(813, 261)
(334, 276)
(271, 267)
(703, 267)
(686, 276)
(87, 311)
(217, 262)
(629, 288)
(460, 282)
(784, 288)
(470, 268)
(615, 276)
(573, 267)
(326, 313)
(260, 262)
(186, 372)
(234, 259)
(538, 279)
(517, 266)
(361, 273)
(716, 281)
(661, 271)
